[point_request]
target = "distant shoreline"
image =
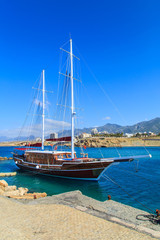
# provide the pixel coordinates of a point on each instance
(102, 142)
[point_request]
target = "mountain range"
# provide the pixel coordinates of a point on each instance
(145, 126)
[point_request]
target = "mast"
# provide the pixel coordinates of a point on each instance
(72, 103)
(43, 106)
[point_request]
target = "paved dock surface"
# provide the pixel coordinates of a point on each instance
(57, 222)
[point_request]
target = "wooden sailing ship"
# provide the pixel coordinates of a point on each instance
(60, 164)
(65, 163)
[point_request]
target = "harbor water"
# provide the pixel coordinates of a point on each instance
(135, 183)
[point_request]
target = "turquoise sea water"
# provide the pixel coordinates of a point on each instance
(143, 185)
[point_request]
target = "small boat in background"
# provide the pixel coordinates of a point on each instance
(65, 164)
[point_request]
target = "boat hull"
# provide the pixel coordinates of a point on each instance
(78, 168)
(82, 174)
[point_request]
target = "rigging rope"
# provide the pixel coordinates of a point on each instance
(35, 106)
(133, 173)
(106, 95)
(113, 181)
(33, 101)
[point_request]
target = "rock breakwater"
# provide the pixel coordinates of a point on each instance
(99, 142)
(5, 158)
(18, 193)
(7, 174)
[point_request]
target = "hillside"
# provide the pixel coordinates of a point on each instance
(145, 126)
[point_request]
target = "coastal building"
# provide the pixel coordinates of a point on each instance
(142, 134)
(151, 134)
(53, 135)
(128, 135)
(103, 132)
(84, 135)
(38, 139)
(94, 131)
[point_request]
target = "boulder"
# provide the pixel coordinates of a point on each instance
(22, 197)
(11, 193)
(36, 195)
(39, 195)
(1, 191)
(29, 196)
(10, 188)
(6, 158)
(93, 145)
(8, 174)
(3, 183)
(22, 191)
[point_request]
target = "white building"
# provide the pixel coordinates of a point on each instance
(94, 131)
(151, 134)
(129, 135)
(104, 132)
(53, 135)
(84, 135)
(38, 139)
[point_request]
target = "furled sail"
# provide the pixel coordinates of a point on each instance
(61, 139)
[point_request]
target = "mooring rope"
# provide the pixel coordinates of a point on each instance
(148, 217)
(113, 181)
(133, 173)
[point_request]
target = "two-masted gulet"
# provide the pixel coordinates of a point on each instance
(65, 164)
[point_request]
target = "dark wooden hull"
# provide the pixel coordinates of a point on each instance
(59, 164)
(81, 173)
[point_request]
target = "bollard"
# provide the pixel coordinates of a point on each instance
(35, 197)
(158, 212)
(109, 197)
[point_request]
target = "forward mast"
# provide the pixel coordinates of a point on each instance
(43, 106)
(72, 102)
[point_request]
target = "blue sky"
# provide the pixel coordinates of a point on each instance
(119, 40)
